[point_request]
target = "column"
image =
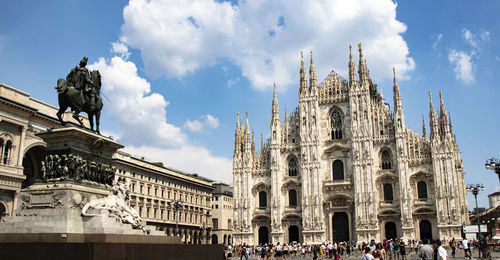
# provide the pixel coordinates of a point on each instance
(21, 147)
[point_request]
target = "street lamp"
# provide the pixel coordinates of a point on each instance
(494, 165)
(176, 204)
(475, 188)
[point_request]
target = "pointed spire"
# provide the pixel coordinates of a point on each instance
(396, 94)
(237, 133)
(303, 80)
(247, 128)
(352, 67)
(443, 115)
(313, 81)
(424, 131)
(275, 109)
(261, 144)
(253, 142)
(432, 118)
(362, 69)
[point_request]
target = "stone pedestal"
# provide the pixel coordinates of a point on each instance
(76, 170)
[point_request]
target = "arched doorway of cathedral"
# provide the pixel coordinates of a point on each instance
(293, 234)
(390, 230)
(263, 235)
(225, 239)
(340, 223)
(214, 239)
(425, 230)
(32, 163)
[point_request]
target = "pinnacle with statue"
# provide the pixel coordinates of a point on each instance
(80, 91)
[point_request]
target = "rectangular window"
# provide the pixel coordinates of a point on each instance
(162, 193)
(215, 223)
(140, 189)
(147, 212)
(168, 194)
(161, 214)
(216, 198)
(156, 192)
(216, 206)
(155, 213)
(133, 187)
(168, 215)
(149, 190)
(229, 224)
(140, 211)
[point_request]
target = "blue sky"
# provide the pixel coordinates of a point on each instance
(177, 72)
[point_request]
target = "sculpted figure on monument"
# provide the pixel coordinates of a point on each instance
(81, 92)
(117, 204)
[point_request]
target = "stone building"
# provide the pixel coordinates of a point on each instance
(21, 151)
(222, 214)
(344, 166)
(154, 187)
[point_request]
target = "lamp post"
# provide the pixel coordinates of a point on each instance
(474, 189)
(494, 165)
(176, 205)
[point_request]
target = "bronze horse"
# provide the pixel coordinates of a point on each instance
(79, 100)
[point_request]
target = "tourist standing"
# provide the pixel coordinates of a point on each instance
(367, 255)
(453, 247)
(426, 251)
(402, 249)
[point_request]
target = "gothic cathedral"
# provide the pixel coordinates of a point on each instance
(344, 167)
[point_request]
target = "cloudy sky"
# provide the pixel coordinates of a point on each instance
(176, 72)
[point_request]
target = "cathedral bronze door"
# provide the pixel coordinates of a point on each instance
(425, 230)
(340, 227)
(390, 230)
(293, 234)
(263, 235)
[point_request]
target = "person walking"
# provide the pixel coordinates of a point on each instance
(465, 246)
(453, 247)
(441, 252)
(367, 255)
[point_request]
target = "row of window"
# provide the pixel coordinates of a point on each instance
(388, 194)
(421, 191)
(216, 206)
(169, 215)
(292, 199)
(215, 224)
(184, 197)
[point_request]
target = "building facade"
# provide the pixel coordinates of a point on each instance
(222, 216)
(343, 166)
(154, 187)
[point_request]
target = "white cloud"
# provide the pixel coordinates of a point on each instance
(189, 158)
(474, 40)
(463, 66)
(211, 121)
(201, 124)
(437, 41)
(140, 114)
(232, 82)
(142, 124)
(121, 49)
(264, 38)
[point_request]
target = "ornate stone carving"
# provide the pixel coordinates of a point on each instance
(117, 205)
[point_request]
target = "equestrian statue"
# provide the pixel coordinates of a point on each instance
(81, 92)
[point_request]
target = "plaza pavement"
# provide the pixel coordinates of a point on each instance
(357, 255)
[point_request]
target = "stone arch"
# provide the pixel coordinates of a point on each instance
(336, 123)
(293, 166)
(338, 170)
(385, 156)
(214, 239)
(4, 209)
(32, 164)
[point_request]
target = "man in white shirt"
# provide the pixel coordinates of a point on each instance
(465, 246)
(367, 255)
(442, 254)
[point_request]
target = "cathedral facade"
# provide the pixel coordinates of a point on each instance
(343, 166)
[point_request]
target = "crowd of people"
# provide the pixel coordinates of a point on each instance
(396, 249)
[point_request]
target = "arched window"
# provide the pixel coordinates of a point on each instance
(388, 196)
(338, 170)
(262, 199)
(336, 125)
(386, 160)
(422, 190)
(292, 198)
(292, 166)
(6, 152)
